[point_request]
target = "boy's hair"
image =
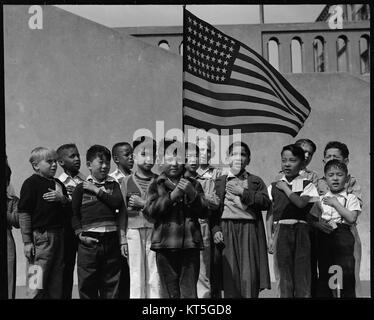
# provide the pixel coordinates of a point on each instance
(60, 150)
(335, 163)
(296, 150)
(241, 144)
(300, 142)
(97, 151)
(40, 153)
(337, 145)
(147, 141)
(8, 173)
(188, 146)
(167, 143)
(117, 145)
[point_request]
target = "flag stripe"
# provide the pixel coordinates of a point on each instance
(245, 128)
(239, 121)
(229, 97)
(232, 87)
(262, 61)
(237, 112)
(232, 105)
(281, 84)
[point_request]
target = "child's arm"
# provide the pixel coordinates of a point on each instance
(298, 201)
(76, 203)
(122, 224)
(157, 201)
(269, 228)
(12, 213)
(114, 200)
(349, 215)
(355, 188)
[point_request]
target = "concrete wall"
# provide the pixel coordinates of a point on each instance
(79, 81)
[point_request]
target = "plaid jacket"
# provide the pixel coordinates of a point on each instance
(176, 224)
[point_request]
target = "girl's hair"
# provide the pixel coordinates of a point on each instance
(40, 153)
(300, 142)
(335, 163)
(297, 151)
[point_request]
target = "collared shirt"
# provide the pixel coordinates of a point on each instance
(349, 201)
(233, 207)
(101, 185)
(306, 173)
(297, 185)
(71, 181)
(118, 175)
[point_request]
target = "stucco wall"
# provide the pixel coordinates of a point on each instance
(78, 81)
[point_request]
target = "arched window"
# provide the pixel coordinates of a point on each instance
(342, 53)
(365, 54)
(164, 44)
(273, 53)
(181, 49)
(319, 54)
(296, 56)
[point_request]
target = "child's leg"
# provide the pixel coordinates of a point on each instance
(39, 268)
(136, 263)
(302, 275)
(344, 248)
(70, 252)
(189, 273)
(88, 270)
(168, 265)
(110, 268)
(325, 260)
(55, 280)
(230, 260)
(357, 255)
(203, 284)
(152, 277)
(284, 255)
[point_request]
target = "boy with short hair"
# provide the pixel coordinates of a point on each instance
(238, 227)
(340, 210)
(175, 204)
(339, 151)
(287, 228)
(208, 283)
(69, 161)
(124, 159)
(144, 280)
(42, 214)
(95, 204)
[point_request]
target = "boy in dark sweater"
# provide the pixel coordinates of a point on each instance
(41, 214)
(95, 221)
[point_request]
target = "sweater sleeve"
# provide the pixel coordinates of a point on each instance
(157, 202)
(12, 213)
(256, 194)
(114, 200)
(76, 204)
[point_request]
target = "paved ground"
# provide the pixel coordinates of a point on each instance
(21, 291)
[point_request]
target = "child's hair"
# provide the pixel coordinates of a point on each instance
(337, 145)
(241, 144)
(60, 150)
(188, 146)
(97, 151)
(117, 145)
(148, 141)
(300, 142)
(297, 151)
(167, 143)
(335, 163)
(208, 141)
(40, 153)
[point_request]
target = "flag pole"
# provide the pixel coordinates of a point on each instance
(183, 66)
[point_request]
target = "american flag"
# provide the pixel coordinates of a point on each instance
(227, 85)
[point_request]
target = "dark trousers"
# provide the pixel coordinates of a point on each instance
(12, 267)
(336, 249)
(124, 281)
(70, 252)
(313, 260)
(179, 272)
(292, 253)
(45, 270)
(99, 266)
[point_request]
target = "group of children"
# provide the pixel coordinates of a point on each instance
(190, 231)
